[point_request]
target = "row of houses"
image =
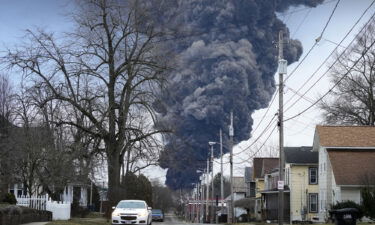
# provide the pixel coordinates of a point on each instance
(335, 168)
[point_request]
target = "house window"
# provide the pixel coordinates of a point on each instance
(313, 203)
(313, 175)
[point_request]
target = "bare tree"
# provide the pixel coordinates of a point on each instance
(6, 111)
(353, 98)
(105, 70)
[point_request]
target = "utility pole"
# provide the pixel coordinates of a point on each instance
(207, 187)
(212, 184)
(198, 201)
(202, 198)
(221, 171)
(282, 71)
(231, 134)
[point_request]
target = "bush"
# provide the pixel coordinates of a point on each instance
(78, 211)
(9, 198)
(368, 198)
(349, 204)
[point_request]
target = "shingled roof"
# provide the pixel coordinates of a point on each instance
(346, 136)
(263, 166)
(301, 155)
(352, 167)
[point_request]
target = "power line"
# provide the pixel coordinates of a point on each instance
(329, 56)
(315, 43)
(258, 150)
(321, 98)
(329, 19)
(303, 59)
(259, 136)
(303, 20)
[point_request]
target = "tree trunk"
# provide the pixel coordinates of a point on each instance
(114, 168)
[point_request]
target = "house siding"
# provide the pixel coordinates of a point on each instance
(352, 194)
(299, 192)
(259, 186)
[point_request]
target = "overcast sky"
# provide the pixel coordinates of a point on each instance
(305, 25)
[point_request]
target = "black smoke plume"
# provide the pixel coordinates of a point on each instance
(227, 63)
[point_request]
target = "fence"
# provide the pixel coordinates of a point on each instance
(60, 210)
(35, 202)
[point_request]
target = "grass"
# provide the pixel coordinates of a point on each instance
(92, 218)
(4, 205)
(81, 221)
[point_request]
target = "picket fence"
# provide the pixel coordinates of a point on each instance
(60, 210)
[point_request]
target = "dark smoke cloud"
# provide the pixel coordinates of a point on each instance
(228, 63)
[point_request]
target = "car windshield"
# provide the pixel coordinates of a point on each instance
(131, 205)
(156, 211)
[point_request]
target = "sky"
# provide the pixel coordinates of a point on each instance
(305, 24)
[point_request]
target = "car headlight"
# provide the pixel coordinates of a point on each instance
(115, 214)
(142, 214)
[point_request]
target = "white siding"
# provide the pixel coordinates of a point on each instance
(352, 194)
(326, 184)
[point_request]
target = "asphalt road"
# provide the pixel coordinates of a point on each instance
(172, 219)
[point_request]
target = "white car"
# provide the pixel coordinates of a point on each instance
(132, 212)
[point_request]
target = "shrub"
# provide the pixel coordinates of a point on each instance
(368, 196)
(349, 204)
(78, 211)
(9, 198)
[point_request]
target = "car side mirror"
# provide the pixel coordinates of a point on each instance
(149, 208)
(113, 207)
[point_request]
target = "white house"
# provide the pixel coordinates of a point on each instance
(346, 161)
(77, 191)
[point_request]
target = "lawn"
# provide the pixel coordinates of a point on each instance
(81, 221)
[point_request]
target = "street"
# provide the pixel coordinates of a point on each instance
(172, 219)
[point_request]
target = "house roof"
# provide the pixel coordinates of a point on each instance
(346, 136)
(301, 155)
(352, 167)
(263, 166)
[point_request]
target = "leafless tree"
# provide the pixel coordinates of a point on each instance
(353, 100)
(6, 111)
(105, 71)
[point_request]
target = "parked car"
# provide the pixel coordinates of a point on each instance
(157, 215)
(132, 212)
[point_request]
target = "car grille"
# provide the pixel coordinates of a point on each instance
(128, 217)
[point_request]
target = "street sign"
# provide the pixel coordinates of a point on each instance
(280, 185)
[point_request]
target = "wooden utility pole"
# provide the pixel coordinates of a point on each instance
(280, 183)
(221, 171)
(212, 217)
(231, 134)
(207, 189)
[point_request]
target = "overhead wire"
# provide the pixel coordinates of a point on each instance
(298, 65)
(331, 89)
(328, 57)
(315, 43)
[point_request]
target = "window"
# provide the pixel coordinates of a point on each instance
(313, 175)
(313, 203)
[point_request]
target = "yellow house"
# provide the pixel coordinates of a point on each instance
(301, 176)
(261, 166)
